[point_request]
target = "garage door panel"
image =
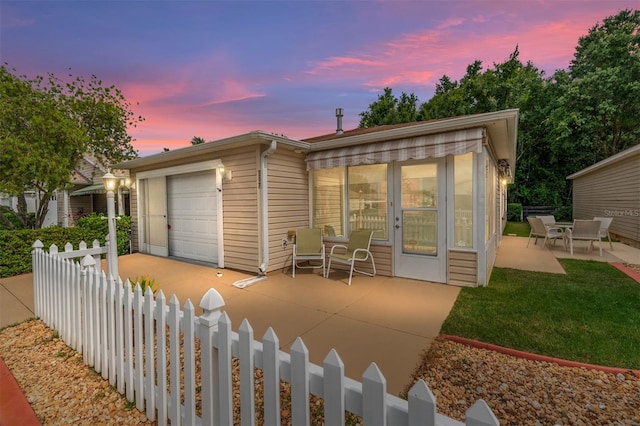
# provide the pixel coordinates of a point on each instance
(192, 200)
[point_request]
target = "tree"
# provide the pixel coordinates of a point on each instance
(390, 110)
(47, 125)
(197, 140)
(600, 104)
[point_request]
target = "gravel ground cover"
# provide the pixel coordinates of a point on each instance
(62, 390)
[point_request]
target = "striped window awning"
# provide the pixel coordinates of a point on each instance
(415, 148)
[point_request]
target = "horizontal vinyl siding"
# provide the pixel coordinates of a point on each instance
(463, 268)
(288, 204)
(611, 191)
(240, 209)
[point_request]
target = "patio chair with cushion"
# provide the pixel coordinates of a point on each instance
(585, 230)
(605, 222)
(548, 220)
(357, 250)
(308, 247)
(538, 229)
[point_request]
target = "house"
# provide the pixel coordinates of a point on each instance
(86, 194)
(611, 188)
(434, 193)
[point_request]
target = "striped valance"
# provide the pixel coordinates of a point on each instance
(416, 148)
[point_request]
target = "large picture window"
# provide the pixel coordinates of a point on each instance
(463, 200)
(345, 199)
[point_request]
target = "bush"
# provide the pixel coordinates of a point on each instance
(514, 212)
(16, 246)
(563, 214)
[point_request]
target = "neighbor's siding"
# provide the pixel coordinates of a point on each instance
(288, 199)
(614, 191)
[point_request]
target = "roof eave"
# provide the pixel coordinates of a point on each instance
(246, 139)
(607, 161)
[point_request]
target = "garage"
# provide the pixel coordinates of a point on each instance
(191, 216)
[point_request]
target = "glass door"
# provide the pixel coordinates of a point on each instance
(419, 222)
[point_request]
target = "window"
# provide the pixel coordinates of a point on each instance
(350, 198)
(328, 200)
(367, 198)
(463, 200)
(490, 200)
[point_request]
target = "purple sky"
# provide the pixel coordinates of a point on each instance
(216, 69)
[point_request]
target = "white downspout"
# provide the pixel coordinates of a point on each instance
(264, 209)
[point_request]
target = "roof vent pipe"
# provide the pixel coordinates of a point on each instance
(339, 115)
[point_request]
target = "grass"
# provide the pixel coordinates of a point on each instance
(589, 315)
(521, 229)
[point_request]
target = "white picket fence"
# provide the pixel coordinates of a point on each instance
(134, 340)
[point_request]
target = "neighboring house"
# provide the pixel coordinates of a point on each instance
(611, 188)
(87, 194)
(434, 193)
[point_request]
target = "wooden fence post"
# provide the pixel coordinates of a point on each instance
(207, 325)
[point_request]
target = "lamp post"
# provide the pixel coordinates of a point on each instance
(110, 184)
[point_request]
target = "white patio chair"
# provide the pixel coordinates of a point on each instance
(585, 230)
(538, 229)
(357, 250)
(548, 220)
(308, 247)
(605, 222)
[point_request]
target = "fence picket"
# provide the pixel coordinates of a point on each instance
(299, 383)
(138, 339)
(247, 365)
(123, 335)
(161, 339)
(128, 341)
(188, 321)
(479, 414)
(333, 389)
(149, 346)
(225, 342)
(174, 376)
(374, 390)
(422, 405)
(271, 374)
(119, 348)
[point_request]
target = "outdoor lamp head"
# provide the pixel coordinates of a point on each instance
(110, 182)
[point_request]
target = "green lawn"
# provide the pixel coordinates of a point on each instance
(521, 229)
(591, 315)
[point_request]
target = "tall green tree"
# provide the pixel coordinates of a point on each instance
(46, 125)
(390, 110)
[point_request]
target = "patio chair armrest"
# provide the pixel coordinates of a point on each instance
(340, 246)
(368, 253)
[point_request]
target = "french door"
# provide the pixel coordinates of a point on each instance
(419, 227)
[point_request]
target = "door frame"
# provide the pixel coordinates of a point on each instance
(419, 266)
(216, 165)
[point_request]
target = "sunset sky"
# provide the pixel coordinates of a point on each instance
(215, 69)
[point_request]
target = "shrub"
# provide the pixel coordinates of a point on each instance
(514, 212)
(16, 245)
(563, 214)
(145, 282)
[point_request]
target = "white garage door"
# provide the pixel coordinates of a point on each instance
(191, 216)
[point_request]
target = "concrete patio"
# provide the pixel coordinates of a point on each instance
(385, 320)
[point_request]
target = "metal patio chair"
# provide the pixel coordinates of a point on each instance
(585, 230)
(605, 222)
(539, 230)
(357, 250)
(548, 220)
(308, 247)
